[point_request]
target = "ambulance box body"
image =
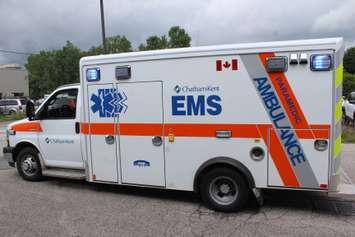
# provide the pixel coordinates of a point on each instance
(181, 118)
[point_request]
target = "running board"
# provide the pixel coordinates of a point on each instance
(65, 173)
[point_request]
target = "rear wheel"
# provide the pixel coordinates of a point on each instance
(224, 189)
(28, 164)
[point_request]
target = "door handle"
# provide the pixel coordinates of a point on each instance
(77, 127)
(157, 140)
(109, 139)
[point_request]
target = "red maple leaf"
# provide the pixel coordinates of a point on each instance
(226, 64)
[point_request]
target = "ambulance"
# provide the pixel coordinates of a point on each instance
(226, 122)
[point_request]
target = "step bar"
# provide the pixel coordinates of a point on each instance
(65, 173)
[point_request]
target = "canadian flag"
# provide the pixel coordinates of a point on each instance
(221, 65)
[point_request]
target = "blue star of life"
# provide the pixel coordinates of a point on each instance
(108, 102)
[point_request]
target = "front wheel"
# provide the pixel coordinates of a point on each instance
(224, 189)
(28, 164)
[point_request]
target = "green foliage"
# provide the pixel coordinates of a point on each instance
(49, 69)
(115, 44)
(154, 42)
(11, 117)
(178, 38)
(349, 60)
(348, 83)
(348, 134)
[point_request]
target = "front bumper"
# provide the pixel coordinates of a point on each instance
(8, 155)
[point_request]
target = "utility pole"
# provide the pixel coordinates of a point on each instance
(103, 26)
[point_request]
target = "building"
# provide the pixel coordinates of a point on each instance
(13, 81)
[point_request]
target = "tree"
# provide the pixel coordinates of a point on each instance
(50, 69)
(348, 83)
(349, 60)
(40, 69)
(154, 42)
(178, 38)
(115, 44)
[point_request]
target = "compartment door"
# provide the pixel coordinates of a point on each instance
(141, 134)
(102, 132)
(294, 161)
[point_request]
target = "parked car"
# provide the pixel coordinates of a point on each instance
(11, 106)
(349, 109)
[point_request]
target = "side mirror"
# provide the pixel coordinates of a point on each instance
(30, 109)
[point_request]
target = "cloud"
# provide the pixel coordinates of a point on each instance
(339, 20)
(40, 24)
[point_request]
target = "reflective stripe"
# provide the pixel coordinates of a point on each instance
(339, 75)
(337, 147)
(338, 111)
(321, 131)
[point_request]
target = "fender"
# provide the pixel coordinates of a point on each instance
(225, 161)
(30, 143)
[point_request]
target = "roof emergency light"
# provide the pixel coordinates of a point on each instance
(93, 74)
(321, 62)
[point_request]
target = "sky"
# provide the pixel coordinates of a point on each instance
(31, 26)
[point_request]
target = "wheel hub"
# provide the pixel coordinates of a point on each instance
(224, 190)
(29, 165)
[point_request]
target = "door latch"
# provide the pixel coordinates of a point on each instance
(109, 139)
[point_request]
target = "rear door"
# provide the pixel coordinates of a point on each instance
(141, 142)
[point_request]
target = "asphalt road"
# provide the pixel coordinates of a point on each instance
(59, 207)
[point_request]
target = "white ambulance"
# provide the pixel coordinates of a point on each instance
(218, 120)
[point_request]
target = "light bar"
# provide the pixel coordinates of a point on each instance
(93, 74)
(321, 62)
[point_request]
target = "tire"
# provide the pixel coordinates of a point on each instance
(224, 189)
(28, 164)
(11, 112)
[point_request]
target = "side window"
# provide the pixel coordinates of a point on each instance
(11, 102)
(62, 105)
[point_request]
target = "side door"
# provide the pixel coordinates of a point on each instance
(141, 134)
(59, 140)
(102, 132)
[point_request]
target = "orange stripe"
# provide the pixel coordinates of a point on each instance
(190, 130)
(279, 156)
(282, 164)
(27, 127)
(299, 121)
(98, 128)
(135, 129)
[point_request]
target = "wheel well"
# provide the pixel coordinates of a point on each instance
(224, 162)
(20, 146)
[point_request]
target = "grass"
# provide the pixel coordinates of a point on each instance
(348, 135)
(11, 117)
